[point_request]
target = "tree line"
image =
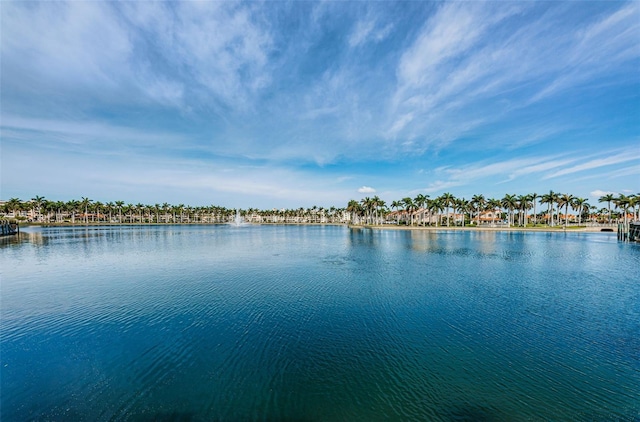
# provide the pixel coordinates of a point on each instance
(85, 211)
(550, 209)
(446, 209)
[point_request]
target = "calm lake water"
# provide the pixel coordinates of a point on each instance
(318, 324)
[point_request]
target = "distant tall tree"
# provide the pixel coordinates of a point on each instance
(165, 210)
(119, 205)
(524, 203)
(549, 199)
(635, 206)
(420, 200)
(140, 207)
(534, 199)
(608, 198)
(493, 205)
(380, 207)
(73, 206)
(353, 208)
(478, 202)
(565, 200)
(36, 204)
(410, 207)
(59, 206)
(109, 206)
(509, 202)
(14, 205)
(97, 206)
(435, 207)
(84, 203)
(156, 209)
(396, 205)
(581, 206)
(447, 200)
(465, 207)
(623, 202)
(47, 208)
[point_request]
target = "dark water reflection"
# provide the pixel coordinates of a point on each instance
(318, 323)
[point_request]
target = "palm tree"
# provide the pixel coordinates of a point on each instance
(14, 204)
(36, 204)
(581, 206)
(608, 198)
(59, 206)
(381, 208)
(165, 210)
(435, 206)
(524, 204)
(509, 202)
(410, 207)
(376, 205)
(623, 202)
(366, 208)
(465, 207)
(73, 206)
(84, 203)
(534, 197)
(478, 201)
(119, 205)
(565, 200)
(550, 200)
(354, 208)
(97, 206)
(447, 200)
(109, 206)
(396, 205)
(420, 201)
(47, 208)
(493, 205)
(156, 209)
(140, 207)
(635, 202)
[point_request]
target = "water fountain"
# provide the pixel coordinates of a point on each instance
(238, 221)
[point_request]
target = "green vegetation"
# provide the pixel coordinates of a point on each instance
(563, 211)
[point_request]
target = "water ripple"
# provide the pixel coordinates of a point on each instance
(318, 323)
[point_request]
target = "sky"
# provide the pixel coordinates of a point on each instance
(294, 104)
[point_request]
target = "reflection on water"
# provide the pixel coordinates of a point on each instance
(317, 323)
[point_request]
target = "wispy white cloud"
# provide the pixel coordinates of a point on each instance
(68, 46)
(158, 50)
(599, 193)
(509, 169)
(93, 138)
(457, 66)
(487, 93)
(366, 189)
(368, 30)
(439, 186)
(533, 171)
(623, 157)
(148, 179)
(596, 49)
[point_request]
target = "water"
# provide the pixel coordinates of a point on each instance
(318, 323)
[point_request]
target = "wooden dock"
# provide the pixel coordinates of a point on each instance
(8, 228)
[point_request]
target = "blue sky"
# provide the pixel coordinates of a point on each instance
(288, 104)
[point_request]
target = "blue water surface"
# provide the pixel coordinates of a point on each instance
(318, 323)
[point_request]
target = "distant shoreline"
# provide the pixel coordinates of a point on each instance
(490, 229)
(352, 226)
